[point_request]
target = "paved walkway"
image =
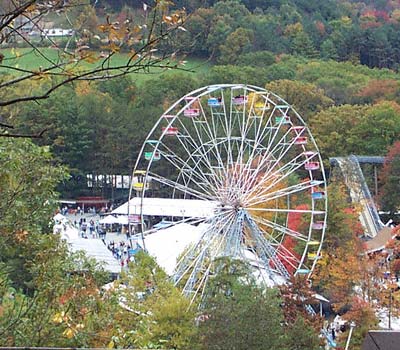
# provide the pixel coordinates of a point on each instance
(110, 250)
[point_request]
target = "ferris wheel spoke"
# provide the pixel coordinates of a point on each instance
(277, 254)
(276, 177)
(213, 142)
(281, 229)
(284, 211)
(269, 159)
(194, 255)
(194, 148)
(205, 136)
(243, 125)
(202, 182)
(174, 185)
(267, 194)
(274, 131)
(268, 253)
(195, 170)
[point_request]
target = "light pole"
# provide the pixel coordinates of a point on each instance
(352, 325)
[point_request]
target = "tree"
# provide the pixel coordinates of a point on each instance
(306, 98)
(67, 64)
(39, 279)
(64, 306)
(302, 336)
(338, 273)
(333, 129)
(27, 181)
(296, 295)
(268, 29)
(239, 314)
(198, 28)
(381, 126)
(328, 50)
(364, 317)
(237, 43)
(341, 265)
(390, 180)
(354, 129)
(256, 59)
(343, 220)
(234, 75)
(155, 314)
(379, 90)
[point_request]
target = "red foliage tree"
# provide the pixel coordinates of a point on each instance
(379, 90)
(287, 251)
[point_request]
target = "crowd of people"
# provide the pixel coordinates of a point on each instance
(123, 248)
(123, 251)
(90, 229)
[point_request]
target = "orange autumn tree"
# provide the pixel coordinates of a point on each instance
(296, 295)
(339, 271)
(363, 315)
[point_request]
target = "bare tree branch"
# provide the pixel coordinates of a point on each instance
(25, 136)
(142, 41)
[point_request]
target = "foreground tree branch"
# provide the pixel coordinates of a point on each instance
(92, 52)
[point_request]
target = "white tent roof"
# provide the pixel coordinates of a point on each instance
(168, 207)
(110, 219)
(122, 220)
(167, 244)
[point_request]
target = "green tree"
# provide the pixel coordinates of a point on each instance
(328, 50)
(306, 98)
(302, 45)
(48, 297)
(267, 28)
(302, 336)
(354, 129)
(159, 316)
(381, 126)
(239, 314)
(234, 75)
(256, 59)
(64, 306)
(237, 43)
(27, 181)
(334, 130)
(343, 221)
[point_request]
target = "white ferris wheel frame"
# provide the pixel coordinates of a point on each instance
(210, 164)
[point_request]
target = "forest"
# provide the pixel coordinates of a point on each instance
(336, 62)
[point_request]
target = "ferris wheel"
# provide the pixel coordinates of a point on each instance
(239, 165)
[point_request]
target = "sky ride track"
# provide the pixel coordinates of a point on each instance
(359, 193)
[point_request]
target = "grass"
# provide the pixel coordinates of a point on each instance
(27, 59)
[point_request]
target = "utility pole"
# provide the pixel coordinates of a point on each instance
(352, 325)
(390, 307)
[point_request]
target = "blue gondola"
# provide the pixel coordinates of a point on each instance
(214, 101)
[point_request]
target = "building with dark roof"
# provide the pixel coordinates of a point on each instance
(381, 340)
